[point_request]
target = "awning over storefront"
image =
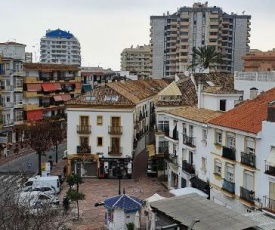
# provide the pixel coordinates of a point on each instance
(34, 87)
(83, 156)
(47, 87)
(200, 184)
(77, 85)
(34, 115)
(57, 98)
(56, 86)
(66, 97)
(271, 157)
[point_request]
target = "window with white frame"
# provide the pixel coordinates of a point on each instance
(217, 167)
(218, 136)
(248, 180)
(250, 145)
(230, 140)
(229, 173)
(163, 125)
(204, 135)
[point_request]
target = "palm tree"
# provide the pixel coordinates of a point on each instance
(206, 57)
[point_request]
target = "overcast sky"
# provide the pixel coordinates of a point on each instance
(105, 27)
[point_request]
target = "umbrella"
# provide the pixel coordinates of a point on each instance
(153, 221)
(137, 221)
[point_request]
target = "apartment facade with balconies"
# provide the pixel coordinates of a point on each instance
(105, 126)
(241, 155)
(198, 26)
(60, 47)
(46, 88)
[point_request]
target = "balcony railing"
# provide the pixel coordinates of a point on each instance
(228, 186)
(163, 149)
(187, 167)
(114, 150)
(246, 195)
(175, 135)
(269, 204)
(83, 149)
(229, 153)
(84, 129)
(248, 159)
(190, 141)
(115, 130)
(270, 170)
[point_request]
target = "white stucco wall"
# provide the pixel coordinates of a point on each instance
(126, 142)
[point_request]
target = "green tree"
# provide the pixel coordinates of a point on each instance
(206, 57)
(74, 194)
(130, 226)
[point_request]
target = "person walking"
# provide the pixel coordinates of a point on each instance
(66, 203)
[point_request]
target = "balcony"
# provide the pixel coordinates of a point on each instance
(187, 167)
(248, 159)
(189, 141)
(246, 195)
(229, 153)
(269, 169)
(228, 186)
(269, 204)
(174, 137)
(114, 150)
(85, 129)
(83, 149)
(115, 130)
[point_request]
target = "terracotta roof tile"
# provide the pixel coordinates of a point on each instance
(195, 114)
(247, 116)
(45, 66)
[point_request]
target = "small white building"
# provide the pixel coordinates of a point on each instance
(105, 126)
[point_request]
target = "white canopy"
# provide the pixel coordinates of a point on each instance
(154, 197)
(187, 190)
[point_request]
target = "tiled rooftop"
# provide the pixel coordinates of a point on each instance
(129, 93)
(42, 66)
(247, 116)
(195, 114)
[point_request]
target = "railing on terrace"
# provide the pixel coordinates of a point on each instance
(269, 204)
(246, 194)
(248, 159)
(187, 167)
(83, 128)
(190, 141)
(229, 153)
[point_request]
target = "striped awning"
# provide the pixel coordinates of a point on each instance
(47, 87)
(57, 98)
(66, 97)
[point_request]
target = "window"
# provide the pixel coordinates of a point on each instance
(229, 175)
(84, 141)
(100, 141)
(248, 180)
(99, 120)
(230, 140)
(84, 120)
(90, 98)
(204, 135)
(203, 164)
(218, 137)
(111, 98)
(222, 105)
(250, 146)
(218, 167)
(163, 125)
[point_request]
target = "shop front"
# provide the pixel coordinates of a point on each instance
(115, 168)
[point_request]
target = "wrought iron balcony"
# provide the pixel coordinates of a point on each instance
(228, 186)
(163, 149)
(187, 167)
(269, 169)
(83, 149)
(248, 159)
(84, 129)
(115, 130)
(247, 195)
(229, 153)
(114, 150)
(269, 204)
(190, 141)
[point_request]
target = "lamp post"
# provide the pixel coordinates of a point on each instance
(56, 152)
(119, 176)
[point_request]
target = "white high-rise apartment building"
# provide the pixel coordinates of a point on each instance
(60, 47)
(173, 37)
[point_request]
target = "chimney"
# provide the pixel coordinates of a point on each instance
(271, 111)
(199, 92)
(253, 93)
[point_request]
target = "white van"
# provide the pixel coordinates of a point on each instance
(38, 181)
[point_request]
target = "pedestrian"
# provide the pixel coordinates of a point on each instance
(5, 152)
(65, 171)
(51, 162)
(66, 203)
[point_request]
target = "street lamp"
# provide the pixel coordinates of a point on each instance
(119, 176)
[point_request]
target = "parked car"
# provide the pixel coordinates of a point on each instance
(49, 190)
(29, 199)
(41, 209)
